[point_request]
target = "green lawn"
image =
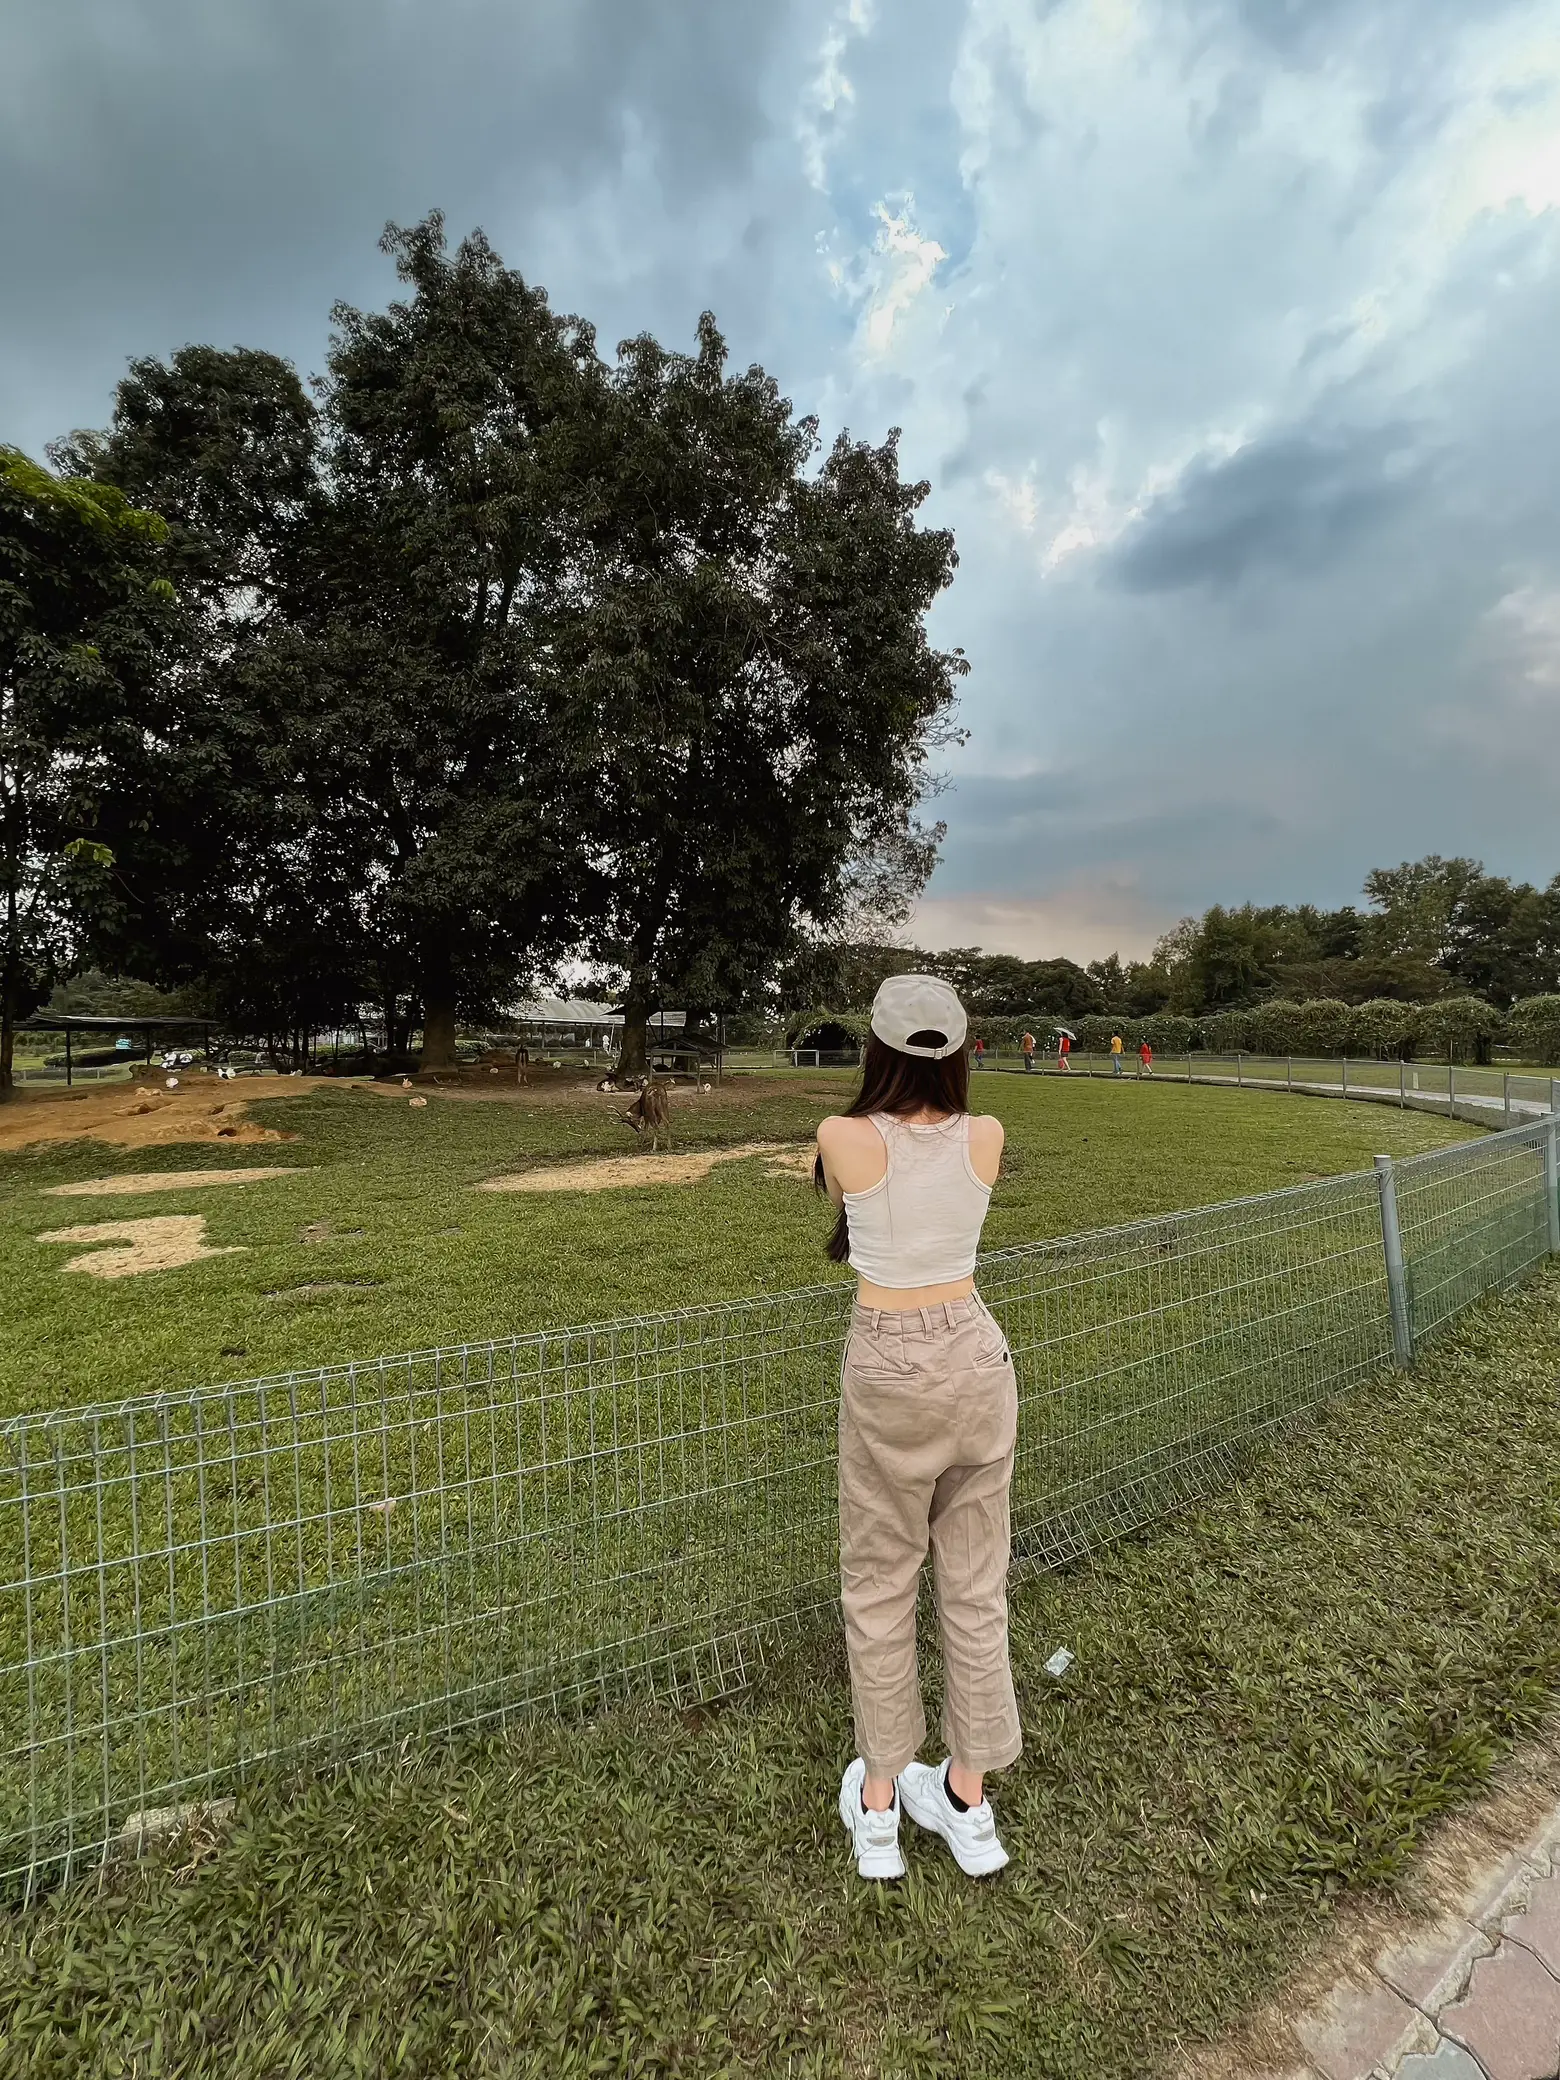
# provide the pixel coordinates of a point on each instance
(411, 1256)
(1273, 1697)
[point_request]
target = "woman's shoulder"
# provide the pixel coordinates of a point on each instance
(842, 1128)
(986, 1130)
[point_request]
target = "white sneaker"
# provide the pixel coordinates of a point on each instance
(971, 1835)
(874, 1836)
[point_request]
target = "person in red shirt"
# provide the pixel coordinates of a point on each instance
(1063, 1050)
(1145, 1059)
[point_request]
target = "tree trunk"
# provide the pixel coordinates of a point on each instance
(7, 1037)
(632, 1056)
(438, 1048)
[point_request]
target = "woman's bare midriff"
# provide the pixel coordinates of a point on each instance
(894, 1298)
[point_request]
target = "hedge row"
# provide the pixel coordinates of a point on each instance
(1383, 1028)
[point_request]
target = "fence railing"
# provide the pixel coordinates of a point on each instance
(329, 1561)
(1486, 1096)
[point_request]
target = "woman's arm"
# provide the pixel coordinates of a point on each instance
(853, 1156)
(986, 1139)
(831, 1183)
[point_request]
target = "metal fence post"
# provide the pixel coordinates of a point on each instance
(1289, 1072)
(1402, 1092)
(1554, 1093)
(1239, 1073)
(1552, 1182)
(1397, 1278)
(1451, 1088)
(1346, 1076)
(1505, 1097)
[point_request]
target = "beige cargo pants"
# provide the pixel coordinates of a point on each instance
(928, 1420)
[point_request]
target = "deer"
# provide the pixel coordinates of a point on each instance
(652, 1109)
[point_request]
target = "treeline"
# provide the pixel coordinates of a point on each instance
(481, 653)
(1444, 959)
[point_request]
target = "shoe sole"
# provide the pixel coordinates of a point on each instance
(985, 1865)
(892, 1868)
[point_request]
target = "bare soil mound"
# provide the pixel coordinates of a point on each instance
(616, 1173)
(146, 1115)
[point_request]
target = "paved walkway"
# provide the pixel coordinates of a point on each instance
(1521, 1112)
(1472, 1994)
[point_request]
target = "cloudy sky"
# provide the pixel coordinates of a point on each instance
(1226, 331)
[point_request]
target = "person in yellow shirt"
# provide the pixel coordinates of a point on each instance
(1115, 1054)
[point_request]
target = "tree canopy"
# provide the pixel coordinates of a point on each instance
(87, 621)
(510, 653)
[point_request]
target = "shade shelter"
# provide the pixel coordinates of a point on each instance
(70, 1023)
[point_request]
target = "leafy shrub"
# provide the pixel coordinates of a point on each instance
(1533, 1024)
(1465, 1027)
(1381, 1027)
(1228, 1032)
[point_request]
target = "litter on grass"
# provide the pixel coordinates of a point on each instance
(1060, 1662)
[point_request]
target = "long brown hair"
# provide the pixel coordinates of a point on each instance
(899, 1083)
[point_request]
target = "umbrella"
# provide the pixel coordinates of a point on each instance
(1065, 1029)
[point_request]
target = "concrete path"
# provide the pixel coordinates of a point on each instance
(1481, 1103)
(1470, 1994)
(1522, 1109)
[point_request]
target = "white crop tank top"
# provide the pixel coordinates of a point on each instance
(920, 1224)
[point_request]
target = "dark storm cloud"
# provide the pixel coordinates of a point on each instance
(173, 168)
(1064, 826)
(1291, 503)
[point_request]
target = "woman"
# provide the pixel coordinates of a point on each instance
(928, 1418)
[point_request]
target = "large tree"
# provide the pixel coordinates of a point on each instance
(87, 615)
(509, 653)
(1497, 939)
(754, 646)
(391, 788)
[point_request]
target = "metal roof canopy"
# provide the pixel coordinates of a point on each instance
(69, 1022)
(66, 1021)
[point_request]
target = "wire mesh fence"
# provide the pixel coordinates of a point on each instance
(327, 1562)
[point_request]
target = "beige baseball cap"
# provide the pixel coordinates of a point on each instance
(909, 1004)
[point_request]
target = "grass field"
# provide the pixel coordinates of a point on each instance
(1272, 1699)
(383, 1245)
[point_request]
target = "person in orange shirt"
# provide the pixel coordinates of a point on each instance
(1027, 1044)
(1115, 1054)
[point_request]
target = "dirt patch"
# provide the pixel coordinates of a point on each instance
(150, 1245)
(615, 1173)
(140, 1183)
(139, 1116)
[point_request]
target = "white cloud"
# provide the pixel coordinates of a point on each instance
(830, 91)
(888, 279)
(1525, 628)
